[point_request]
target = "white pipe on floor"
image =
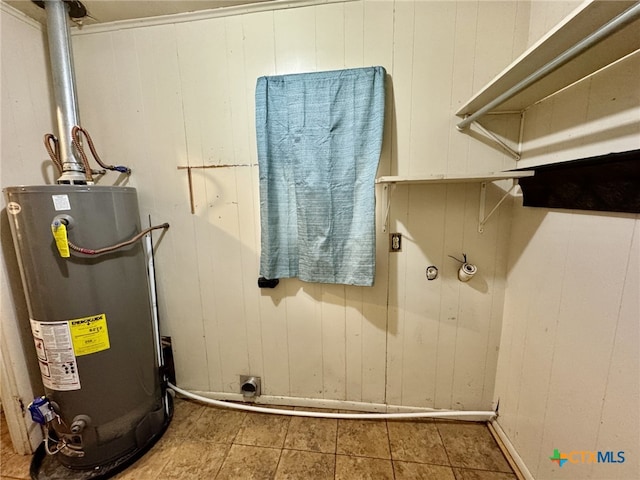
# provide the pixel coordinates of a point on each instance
(479, 415)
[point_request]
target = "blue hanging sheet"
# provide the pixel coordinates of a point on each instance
(319, 138)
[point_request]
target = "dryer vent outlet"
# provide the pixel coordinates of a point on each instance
(249, 386)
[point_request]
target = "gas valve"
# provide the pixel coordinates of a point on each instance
(41, 410)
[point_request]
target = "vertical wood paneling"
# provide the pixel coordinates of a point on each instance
(245, 182)
(353, 343)
(26, 108)
(495, 26)
(354, 56)
(237, 93)
(565, 375)
(584, 393)
(498, 286)
(333, 311)
(452, 232)
(432, 73)
(545, 295)
(164, 96)
(402, 77)
(126, 92)
(354, 34)
(305, 334)
(260, 60)
(226, 268)
(189, 90)
(462, 83)
(100, 72)
(546, 15)
(476, 299)
(378, 50)
(164, 138)
(619, 421)
(396, 313)
(295, 40)
(422, 297)
(598, 115)
(559, 362)
(330, 33)
(495, 47)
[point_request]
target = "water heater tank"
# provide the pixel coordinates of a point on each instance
(91, 320)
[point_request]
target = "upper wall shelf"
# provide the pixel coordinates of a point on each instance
(595, 35)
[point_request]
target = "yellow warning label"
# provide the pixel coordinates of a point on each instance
(89, 334)
(59, 231)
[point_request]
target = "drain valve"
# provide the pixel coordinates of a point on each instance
(249, 386)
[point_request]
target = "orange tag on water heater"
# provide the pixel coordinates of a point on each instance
(59, 231)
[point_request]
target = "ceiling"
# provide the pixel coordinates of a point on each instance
(102, 11)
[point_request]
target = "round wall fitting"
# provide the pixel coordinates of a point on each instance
(249, 386)
(432, 272)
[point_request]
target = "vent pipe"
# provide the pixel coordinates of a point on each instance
(64, 89)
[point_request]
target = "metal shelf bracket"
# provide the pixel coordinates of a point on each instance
(482, 219)
(388, 193)
(498, 140)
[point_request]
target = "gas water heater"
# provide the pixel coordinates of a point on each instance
(85, 275)
(92, 324)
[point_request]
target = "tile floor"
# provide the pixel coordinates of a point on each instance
(210, 443)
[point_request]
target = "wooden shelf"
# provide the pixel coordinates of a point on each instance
(391, 182)
(456, 178)
(582, 22)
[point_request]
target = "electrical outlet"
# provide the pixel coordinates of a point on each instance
(395, 242)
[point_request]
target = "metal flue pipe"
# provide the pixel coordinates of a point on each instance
(64, 89)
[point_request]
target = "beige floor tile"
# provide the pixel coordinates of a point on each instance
(297, 465)
(185, 417)
(465, 474)
(470, 445)
(416, 442)
(185, 408)
(218, 425)
(421, 471)
(151, 464)
(263, 430)
(13, 465)
(5, 438)
(365, 438)
(195, 459)
(312, 434)
(249, 463)
(363, 468)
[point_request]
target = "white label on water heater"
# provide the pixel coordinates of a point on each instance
(61, 202)
(55, 355)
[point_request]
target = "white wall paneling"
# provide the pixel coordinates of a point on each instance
(160, 95)
(572, 290)
(26, 115)
(188, 90)
(567, 376)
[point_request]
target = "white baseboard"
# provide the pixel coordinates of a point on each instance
(512, 455)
